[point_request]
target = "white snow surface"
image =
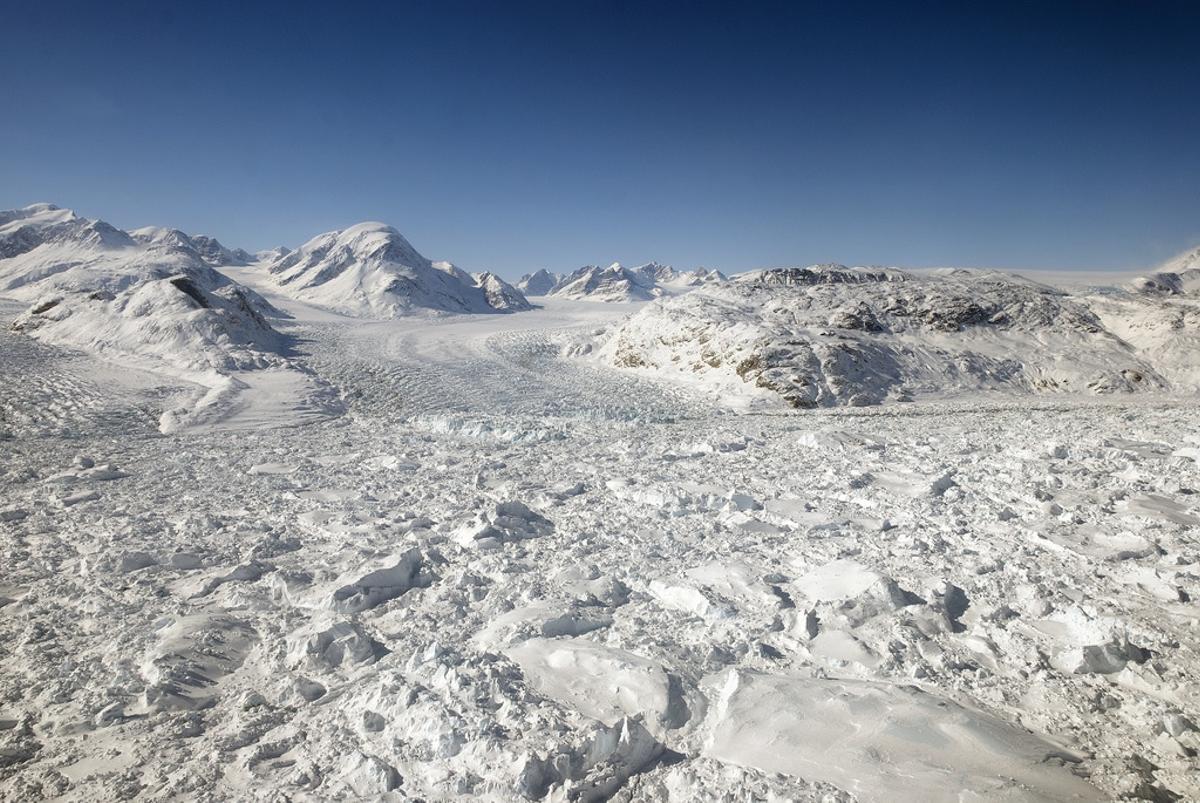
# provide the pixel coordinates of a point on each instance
(503, 568)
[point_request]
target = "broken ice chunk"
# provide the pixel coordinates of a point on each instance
(377, 587)
(185, 668)
(881, 742)
(601, 682)
(327, 648)
(507, 521)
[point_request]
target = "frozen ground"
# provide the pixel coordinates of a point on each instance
(488, 570)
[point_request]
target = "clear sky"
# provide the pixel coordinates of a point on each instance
(513, 136)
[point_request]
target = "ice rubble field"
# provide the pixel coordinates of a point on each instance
(503, 573)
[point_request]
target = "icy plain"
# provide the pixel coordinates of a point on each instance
(492, 569)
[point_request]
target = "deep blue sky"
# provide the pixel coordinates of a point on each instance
(512, 136)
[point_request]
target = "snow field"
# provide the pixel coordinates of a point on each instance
(373, 606)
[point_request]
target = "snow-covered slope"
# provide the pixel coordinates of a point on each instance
(370, 270)
(1159, 315)
(147, 301)
(616, 283)
(23, 230)
(1188, 260)
(95, 287)
(272, 254)
(830, 336)
(1179, 276)
(1171, 282)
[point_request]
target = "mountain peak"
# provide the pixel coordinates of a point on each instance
(27, 228)
(367, 240)
(370, 269)
(209, 249)
(40, 214)
(538, 283)
(39, 208)
(618, 283)
(369, 227)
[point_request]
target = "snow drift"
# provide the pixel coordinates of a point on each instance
(831, 336)
(370, 270)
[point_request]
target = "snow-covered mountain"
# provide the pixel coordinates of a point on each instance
(698, 277)
(272, 254)
(1171, 282)
(665, 278)
(830, 335)
(613, 283)
(1159, 315)
(370, 270)
(538, 283)
(92, 286)
(1179, 276)
(149, 300)
(617, 283)
(1188, 260)
(500, 294)
(208, 249)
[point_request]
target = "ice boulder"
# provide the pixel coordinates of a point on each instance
(504, 522)
(601, 682)
(376, 587)
(883, 742)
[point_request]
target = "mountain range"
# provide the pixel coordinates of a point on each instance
(826, 335)
(617, 283)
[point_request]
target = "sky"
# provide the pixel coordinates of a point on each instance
(513, 136)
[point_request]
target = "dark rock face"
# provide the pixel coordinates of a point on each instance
(184, 285)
